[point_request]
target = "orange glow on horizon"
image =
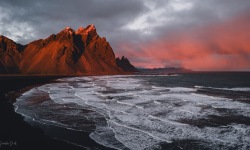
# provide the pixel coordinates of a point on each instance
(220, 46)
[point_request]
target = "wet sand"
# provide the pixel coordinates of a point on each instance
(15, 133)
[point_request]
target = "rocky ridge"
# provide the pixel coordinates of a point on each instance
(69, 52)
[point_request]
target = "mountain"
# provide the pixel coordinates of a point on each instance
(125, 64)
(163, 71)
(69, 52)
(10, 55)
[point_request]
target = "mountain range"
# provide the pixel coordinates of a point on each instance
(69, 52)
(164, 71)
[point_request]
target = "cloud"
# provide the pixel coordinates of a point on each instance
(150, 33)
(46, 17)
(220, 46)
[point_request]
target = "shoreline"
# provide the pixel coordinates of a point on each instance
(180, 81)
(13, 128)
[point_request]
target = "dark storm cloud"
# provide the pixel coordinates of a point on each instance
(112, 17)
(125, 23)
(46, 17)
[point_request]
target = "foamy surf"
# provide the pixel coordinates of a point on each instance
(241, 89)
(128, 113)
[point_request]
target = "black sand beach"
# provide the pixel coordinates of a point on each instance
(15, 133)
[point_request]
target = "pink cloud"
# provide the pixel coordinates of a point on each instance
(223, 45)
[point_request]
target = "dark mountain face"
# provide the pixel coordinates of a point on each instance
(10, 55)
(125, 64)
(68, 52)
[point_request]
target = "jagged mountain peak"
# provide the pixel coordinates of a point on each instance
(91, 27)
(4, 38)
(67, 52)
(10, 55)
(67, 30)
(125, 64)
(89, 30)
(80, 29)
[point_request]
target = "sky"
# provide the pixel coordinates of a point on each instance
(195, 34)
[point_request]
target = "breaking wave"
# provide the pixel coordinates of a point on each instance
(127, 112)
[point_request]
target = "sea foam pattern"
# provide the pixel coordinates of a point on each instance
(138, 115)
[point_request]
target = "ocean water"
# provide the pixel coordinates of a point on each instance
(182, 111)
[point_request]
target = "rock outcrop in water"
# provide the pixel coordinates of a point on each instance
(68, 52)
